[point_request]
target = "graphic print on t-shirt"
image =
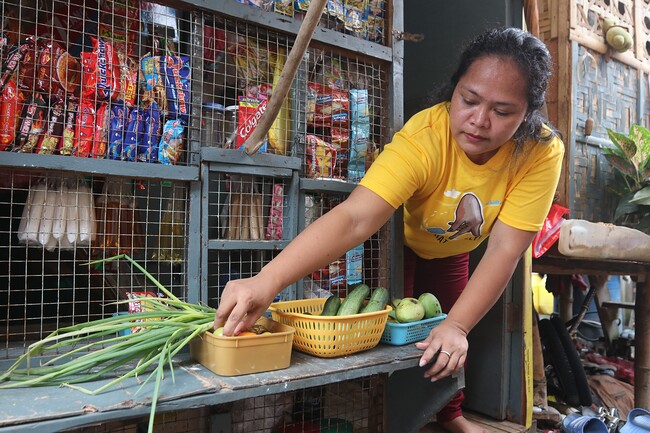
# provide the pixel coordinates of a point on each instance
(469, 218)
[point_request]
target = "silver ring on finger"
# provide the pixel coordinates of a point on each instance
(446, 353)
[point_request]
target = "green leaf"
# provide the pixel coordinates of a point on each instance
(624, 143)
(642, 197)
(622, 164)
(625, 207)
(641, 137)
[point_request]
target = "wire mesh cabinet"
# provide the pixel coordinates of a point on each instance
(121, 125)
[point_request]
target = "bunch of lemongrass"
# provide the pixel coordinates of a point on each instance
(95, 349)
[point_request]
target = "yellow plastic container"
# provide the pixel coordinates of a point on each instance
(234, 356)
(329, 336)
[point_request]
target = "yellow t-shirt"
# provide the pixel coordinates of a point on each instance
(424, 169)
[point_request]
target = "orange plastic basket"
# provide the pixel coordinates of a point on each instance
(232, 356)
(329, 336)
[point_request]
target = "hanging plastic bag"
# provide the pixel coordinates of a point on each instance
(550, 231)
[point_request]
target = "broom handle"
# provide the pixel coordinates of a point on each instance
(281, 89)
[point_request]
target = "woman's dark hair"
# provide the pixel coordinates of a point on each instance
(534, 60)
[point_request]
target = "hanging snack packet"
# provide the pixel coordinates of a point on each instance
(118, 119)
(32, 124)
(13, 58)
(58, 72)
(85, 129)
(284, 7)
(100, 139)
(11, 100)
(279, 132)
(356, 16)
(150, 73)
(251, 60)
(171, 142)
(359, 133)
(274, 224)
(148, 145)
(50, 140)
(321, 157)
(100, 71)
(132, 134)
(28, 65)
(335, 9)
(129, 80)
(249, 115)
(354, 265)
(66, 144)
(177, 71)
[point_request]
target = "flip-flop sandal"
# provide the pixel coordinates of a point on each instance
(638, 421)
(576, 423)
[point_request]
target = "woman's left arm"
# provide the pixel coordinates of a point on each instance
(505, 246)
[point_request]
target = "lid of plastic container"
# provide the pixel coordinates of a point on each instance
(213, 106)
(232, 108)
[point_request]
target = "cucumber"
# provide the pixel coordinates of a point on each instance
(331, 306)
(352, 303)
(378, 301)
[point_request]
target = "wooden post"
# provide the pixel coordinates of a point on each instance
(642, 338)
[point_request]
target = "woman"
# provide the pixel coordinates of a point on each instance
(482, 163)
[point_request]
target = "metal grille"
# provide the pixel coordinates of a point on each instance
(53, 224)
(241, 64)
(97, 79)
(364, 19)
(366, 263)
(185, 421)
(346, 115)
(226, 265)
(246, 207)
(354, 405)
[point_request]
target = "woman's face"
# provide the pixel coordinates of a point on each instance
(487, 106)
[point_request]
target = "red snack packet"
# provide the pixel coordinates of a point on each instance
(274, 225)
(11, 99)
(550, 231)
(321, 157)
(250, 113)
(50, 139)
(27, 69)
(100, 73)
(14, 56)
(66, 144)
(32, 124)
(100, 138)
(58, 72)
(84, 129)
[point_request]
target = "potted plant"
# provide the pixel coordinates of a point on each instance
(630, 156)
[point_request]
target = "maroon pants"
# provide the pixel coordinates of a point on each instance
(445, 278)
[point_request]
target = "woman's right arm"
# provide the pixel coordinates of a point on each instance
(325, 240)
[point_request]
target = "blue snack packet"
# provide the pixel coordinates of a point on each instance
(148, 145)
(171, 142)
(132, 134)
(118, 118)
(177, 71)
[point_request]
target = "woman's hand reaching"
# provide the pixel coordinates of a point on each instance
(242, 303)
(447, 346)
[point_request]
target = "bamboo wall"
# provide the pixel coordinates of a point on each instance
(590, 81)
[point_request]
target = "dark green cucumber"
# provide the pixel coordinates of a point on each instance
(352, 303)
(331, 306)
(377, 302)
